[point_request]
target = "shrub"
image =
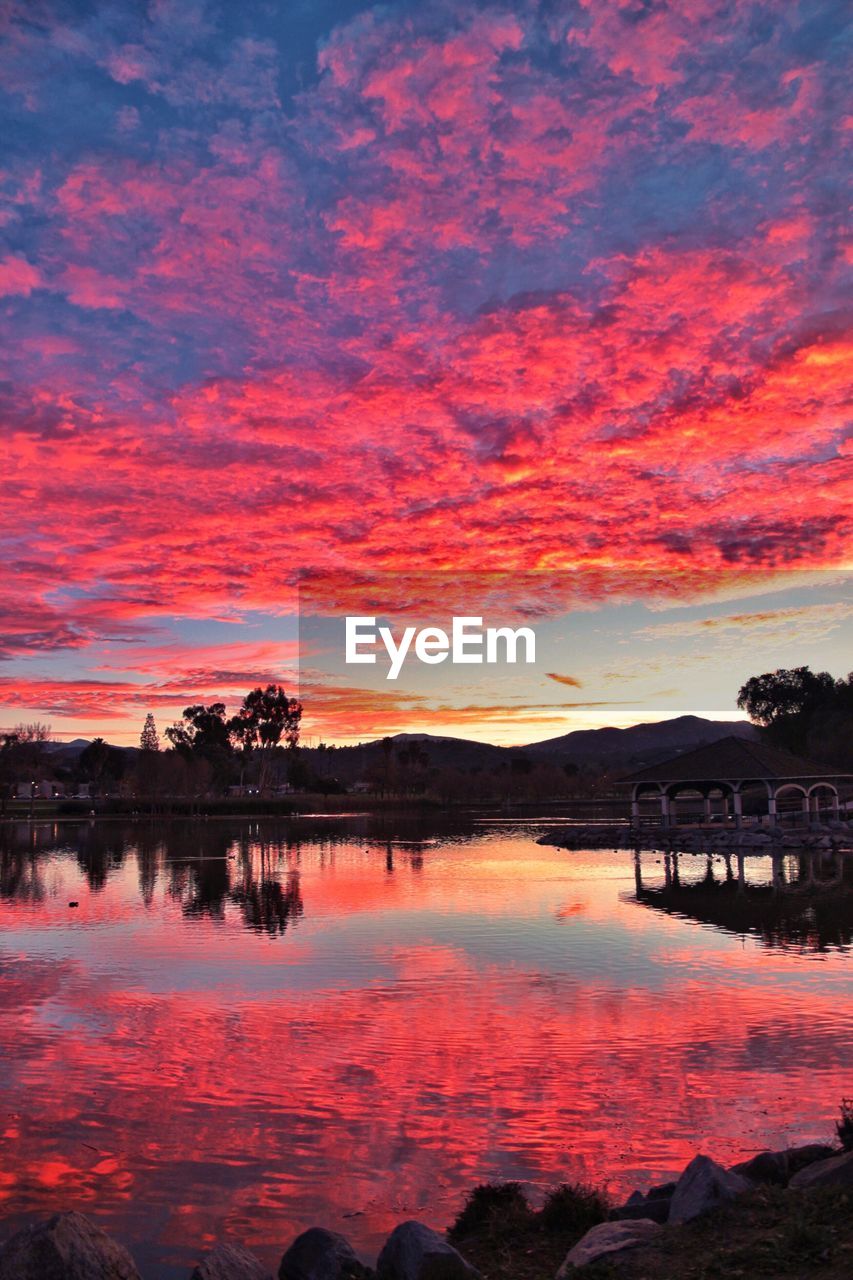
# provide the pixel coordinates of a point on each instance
(492, 1208)
(844, 1126)
(573, 1207)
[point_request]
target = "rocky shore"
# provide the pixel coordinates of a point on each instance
(813, 836)
(498, 1235)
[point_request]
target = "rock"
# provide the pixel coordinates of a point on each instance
(704, 1185)
(837, 1172)
(775, 1168)
(654, 1207)
(654, 1204)
(800, 1157)
(319, 1254)
(66, 1247)
(230, 1262)
(768, 1168)
(608, 1237)
(664, 1191)
(415, 1252)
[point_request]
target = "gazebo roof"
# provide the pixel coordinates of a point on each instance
(734, 760)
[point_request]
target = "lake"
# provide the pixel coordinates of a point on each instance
(242, 1029)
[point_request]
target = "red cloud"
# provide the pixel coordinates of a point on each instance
(454, 348)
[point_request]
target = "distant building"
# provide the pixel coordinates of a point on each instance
(43, 789)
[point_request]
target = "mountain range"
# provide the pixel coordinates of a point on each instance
(603, 749)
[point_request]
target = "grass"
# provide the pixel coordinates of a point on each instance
(768, 1234)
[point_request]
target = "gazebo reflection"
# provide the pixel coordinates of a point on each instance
(800, 900)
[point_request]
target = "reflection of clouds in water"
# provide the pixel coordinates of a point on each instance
(490, 1014)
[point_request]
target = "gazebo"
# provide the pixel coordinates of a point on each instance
(727, 769)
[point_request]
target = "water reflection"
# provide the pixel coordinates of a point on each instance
(242, 1029)
(801, 900)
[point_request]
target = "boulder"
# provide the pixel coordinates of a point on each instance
(800, 1157)
(415, 1252)
(768, 1168)
(837, 1172)
(703, 1186)
(66, 1247)
(606, 1238)
(654, 1207)
(775, 1168)
(230, 1262)
(664, 1191)
(319, 1254)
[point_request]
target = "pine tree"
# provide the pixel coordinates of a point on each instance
(149, 739)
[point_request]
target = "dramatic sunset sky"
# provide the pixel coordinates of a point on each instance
(340, 289)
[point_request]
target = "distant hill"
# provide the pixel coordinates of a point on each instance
(640, 744)
(75, 746)
(606, 749)
(464, 754)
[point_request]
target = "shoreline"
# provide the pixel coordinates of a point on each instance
(792, 1207)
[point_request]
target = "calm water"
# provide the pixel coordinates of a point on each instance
(242, 1030)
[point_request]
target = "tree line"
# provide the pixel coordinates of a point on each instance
(208, 751)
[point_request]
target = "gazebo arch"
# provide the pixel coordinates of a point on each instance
(731, 766)
(813, 797)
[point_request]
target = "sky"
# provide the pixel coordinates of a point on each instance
(320, 292)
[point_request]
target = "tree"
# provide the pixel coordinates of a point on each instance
(805, 712)
(149, 765)
(100, 761)
(204, 730)
(267, 717)
(769, 698)
(204, 738)
(9, 766)
(28, 744)
(149, 739)
(35, 732)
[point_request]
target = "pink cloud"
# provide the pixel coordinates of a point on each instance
(18, 277)
(473, 301)
(88, 287)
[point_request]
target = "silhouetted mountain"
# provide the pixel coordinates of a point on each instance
(349, 763)
(72, 748)
(640, 744)
(604, 749)
(596, 749)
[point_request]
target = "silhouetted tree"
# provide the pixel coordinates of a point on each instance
(149, 739)
(149, 765)
(267, 718)
(100, 762)
(791, 704)
(202, 731)
(203, 738)
(25, 750)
